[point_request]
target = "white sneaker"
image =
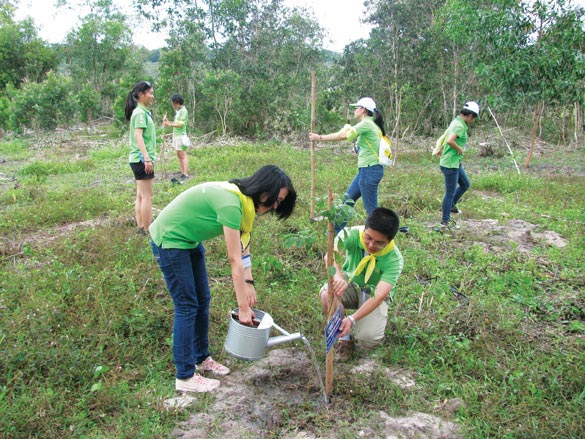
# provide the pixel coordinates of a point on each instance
(196, 383)
(210, 365)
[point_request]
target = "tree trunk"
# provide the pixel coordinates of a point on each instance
(579, 127)
(535, 123)
(455, 74)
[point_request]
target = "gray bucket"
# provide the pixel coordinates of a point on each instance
(250, 342)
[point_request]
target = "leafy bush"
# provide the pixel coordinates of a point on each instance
(43, 105)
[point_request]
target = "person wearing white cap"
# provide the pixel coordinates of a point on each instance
(367, 133)
(456, 180)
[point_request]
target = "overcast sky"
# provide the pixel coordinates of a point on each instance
(340, 18)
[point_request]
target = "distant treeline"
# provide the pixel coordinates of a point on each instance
(244, 67)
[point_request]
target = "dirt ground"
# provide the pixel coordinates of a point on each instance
(494, 235)
(251, 401)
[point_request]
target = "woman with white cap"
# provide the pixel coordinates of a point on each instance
(367, 133)
(456, 181)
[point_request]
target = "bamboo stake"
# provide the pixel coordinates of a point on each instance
(505, 141)
(163, 148)
(332, 300)
(312, 208)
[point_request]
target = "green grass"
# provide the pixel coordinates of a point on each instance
(85, 319)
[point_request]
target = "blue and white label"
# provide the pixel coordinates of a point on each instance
(332, 329)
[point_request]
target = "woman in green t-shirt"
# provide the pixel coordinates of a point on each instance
(367, 133)
(200, 213)
(142, 150)
(456, 180)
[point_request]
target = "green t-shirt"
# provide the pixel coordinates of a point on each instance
(388, 267)
(450, 158)
(142, 118)
(196, 215)
(368, 136)
(181, 116)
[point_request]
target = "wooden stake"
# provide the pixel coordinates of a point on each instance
(163, 161)
(505, 141)
(332, 300)
(312, 208)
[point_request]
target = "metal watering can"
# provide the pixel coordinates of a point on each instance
(250, 342)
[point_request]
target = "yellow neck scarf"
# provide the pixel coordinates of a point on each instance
(248, 212)
(370, 259)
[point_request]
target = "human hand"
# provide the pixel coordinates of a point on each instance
(149, 167)
(314, 137)
(345, 328)
(339, 285)
(245, 316)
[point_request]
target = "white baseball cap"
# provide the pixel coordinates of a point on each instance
(473, 107)
(367, 103)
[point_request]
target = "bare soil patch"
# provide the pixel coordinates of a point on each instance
(253, 402)
(524, 236)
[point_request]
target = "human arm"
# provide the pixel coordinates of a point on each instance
(333, 137)
(248, 278)
(180, 119)
(245, 293)
(177, 124)
(451, 141)
(342, 134)
(148, 165)
(380, 295)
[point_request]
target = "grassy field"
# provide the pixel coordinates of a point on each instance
(85, 319)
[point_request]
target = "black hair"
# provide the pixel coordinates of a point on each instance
(132, 98)
(177, 99)
(378, 119)
(384, 221)
(467, 112)
(268, 181)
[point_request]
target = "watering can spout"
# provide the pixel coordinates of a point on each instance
(273, 341)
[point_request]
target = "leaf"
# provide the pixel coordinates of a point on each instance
(96, 387)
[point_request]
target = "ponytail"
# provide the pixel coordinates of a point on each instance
(378, 119)
(130, 105)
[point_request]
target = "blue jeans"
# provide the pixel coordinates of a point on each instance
(185, 274)
(365, 184)
(456, 184)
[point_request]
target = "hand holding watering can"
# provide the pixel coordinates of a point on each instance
(250, 342)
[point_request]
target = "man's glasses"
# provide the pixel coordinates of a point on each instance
(378, 244)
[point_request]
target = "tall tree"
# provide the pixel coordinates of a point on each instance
(99, 50)
(527, 54)
(269, 47)
(182, 67)
(23, 55)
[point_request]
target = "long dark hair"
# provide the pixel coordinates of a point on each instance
(378, 119)
(132, 98)
(268, 181)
